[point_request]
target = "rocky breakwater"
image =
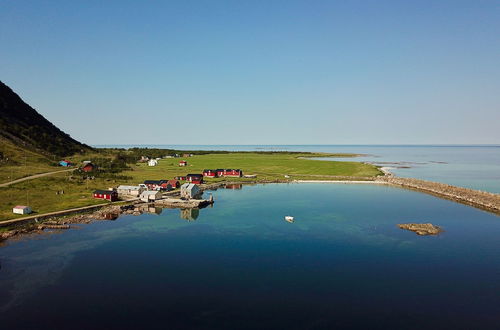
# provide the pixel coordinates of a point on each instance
(481, 199)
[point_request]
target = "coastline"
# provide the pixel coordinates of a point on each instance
(479, 199)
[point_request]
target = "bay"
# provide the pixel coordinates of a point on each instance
(240, 265)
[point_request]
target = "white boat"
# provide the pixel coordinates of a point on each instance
(289, 218)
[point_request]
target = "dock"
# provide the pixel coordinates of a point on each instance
(183, 203)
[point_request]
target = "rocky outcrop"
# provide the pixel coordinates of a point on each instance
(422, 229)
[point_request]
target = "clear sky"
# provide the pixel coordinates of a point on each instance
(258, 72)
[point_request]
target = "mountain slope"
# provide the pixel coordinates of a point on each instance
(24, 126)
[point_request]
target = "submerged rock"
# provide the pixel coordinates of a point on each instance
(421, 228)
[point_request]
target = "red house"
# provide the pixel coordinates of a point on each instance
(234, 173)
(156, 184)
(174, 183)
(183, 163)
(110, 195)
(210, 173)
(180, 178)
(89, 167)
(195, 178)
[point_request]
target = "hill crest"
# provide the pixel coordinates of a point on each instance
(24, 126)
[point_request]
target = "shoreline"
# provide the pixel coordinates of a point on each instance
(479, 199)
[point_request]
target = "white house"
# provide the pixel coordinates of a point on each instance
(190, 190)
(130, 190)
(21, 209)
(150, 195)
(152, 162)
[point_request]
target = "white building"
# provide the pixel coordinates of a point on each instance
(130, 190)
(190, 190)
(21, 209)
(152, 162)
(150, 195)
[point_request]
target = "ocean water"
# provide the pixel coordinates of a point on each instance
(343, 263)
(476, 167)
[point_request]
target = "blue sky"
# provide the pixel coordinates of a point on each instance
(258, 72)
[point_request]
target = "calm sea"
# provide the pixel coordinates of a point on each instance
(342, 264)
(476, 167)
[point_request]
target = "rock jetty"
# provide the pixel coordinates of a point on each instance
(481, 199)
(422, 229)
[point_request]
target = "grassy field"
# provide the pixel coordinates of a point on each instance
(22, 162)
(41, 194)
(265, 166)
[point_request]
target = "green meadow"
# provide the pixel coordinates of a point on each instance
(272, 166)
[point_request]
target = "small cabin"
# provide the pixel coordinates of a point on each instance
(130, 190)
(89, 167)
(150, 196)
(152, 162)
(110, 195)
(174, 184)
(22, 209)
(195, 178)
(65, 163)
(234, 173)
(210, 173)
(183, 163)
(190, 190)
(156, 184)
(180, 178)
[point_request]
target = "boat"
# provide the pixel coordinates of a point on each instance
(289, 218)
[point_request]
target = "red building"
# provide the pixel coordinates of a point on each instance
(174, 183)
(210, 173)
(89, 167)
(229, 173)
(195, 178)
(180, 178)
(183, 163)
(156, 184)
(234, 173)
(110, 195)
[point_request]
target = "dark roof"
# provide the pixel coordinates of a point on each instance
(154, 181)
(195, 175)
(104, 192)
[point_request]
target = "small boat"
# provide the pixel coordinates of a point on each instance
(289, 218)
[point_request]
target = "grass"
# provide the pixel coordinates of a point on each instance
(265, 166)
(41, 195)
(21, 162)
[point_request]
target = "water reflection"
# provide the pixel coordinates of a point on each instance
(189, 214)
(233, 186)
(150, 208)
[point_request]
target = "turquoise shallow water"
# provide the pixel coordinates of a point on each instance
(342, 263)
